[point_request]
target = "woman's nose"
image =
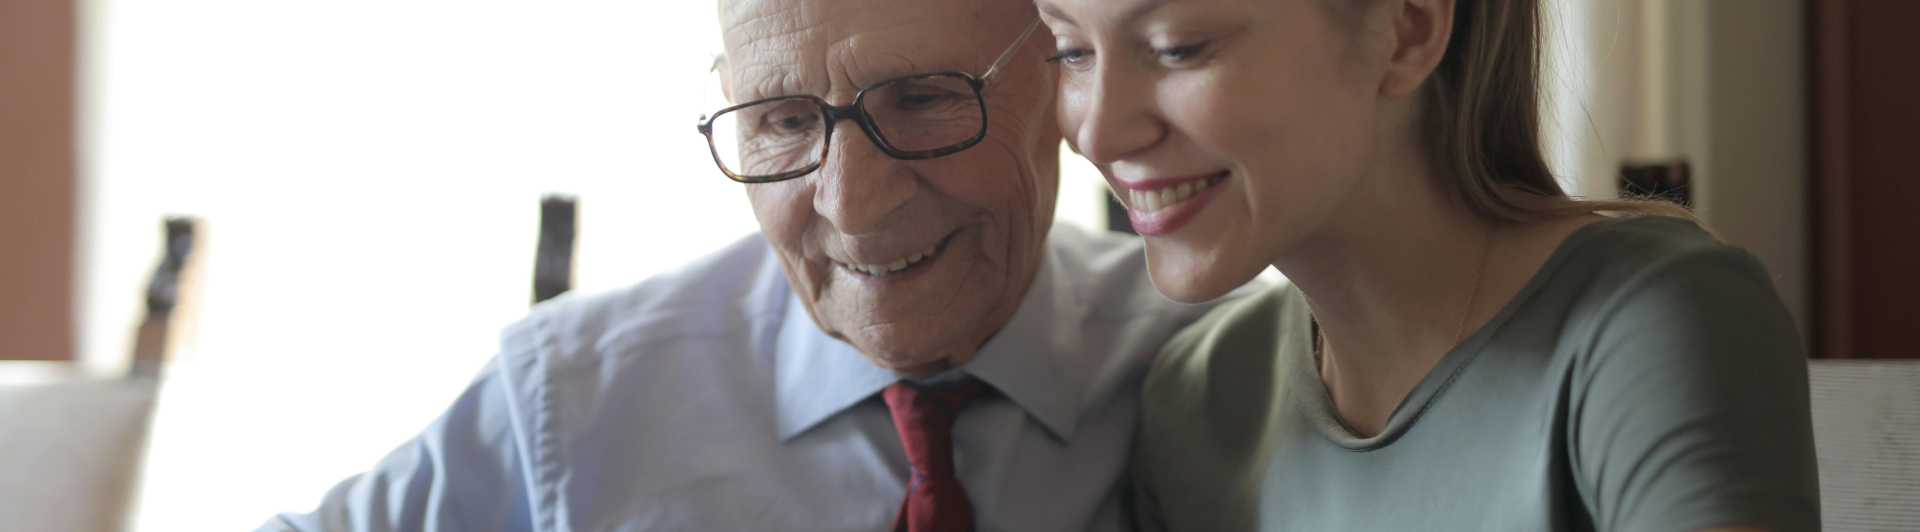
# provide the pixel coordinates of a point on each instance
(1114, 114)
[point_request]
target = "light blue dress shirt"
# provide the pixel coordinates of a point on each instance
(707, 399)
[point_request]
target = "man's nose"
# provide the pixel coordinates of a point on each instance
(858, 186)
(1116, 118)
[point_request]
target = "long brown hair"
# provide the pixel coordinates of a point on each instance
(1481, 117)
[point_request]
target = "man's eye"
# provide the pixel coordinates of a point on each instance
(791, 121)
(909, 101)
(795, 121)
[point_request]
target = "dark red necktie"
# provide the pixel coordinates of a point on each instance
(924, 417)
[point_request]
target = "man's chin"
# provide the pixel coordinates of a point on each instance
(915, 360)
(913, 368)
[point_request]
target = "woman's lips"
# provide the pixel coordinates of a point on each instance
(1149, 196)
(1164, 182)
(1162, 206)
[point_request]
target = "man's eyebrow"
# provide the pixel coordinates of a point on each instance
(758, 81)
(1127, 19)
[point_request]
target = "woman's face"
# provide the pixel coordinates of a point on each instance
(1231, 129)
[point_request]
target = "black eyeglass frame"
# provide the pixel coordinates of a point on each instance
(833, 114)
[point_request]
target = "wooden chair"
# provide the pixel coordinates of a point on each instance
(553, 259)
(71, 444)
(159, 335)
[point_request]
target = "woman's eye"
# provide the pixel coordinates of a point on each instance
(1180, 54)
(1074, 57)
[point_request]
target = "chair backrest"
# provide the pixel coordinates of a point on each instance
(1866, 430)
(170, 295)
(553, 258)
(70, 455)
(71, 442)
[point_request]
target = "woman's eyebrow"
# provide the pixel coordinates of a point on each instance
(1132, 14)
(1055, 12)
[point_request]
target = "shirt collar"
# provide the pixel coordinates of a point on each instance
(1034, 360)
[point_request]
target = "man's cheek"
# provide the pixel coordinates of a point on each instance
(784, 210)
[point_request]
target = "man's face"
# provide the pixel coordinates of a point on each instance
(983, 212)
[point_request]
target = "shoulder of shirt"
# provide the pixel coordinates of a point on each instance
(1107, 272)
(1613, 259)
(723, 293)
(1620, 259)
(1671, 267)
(1243, 327)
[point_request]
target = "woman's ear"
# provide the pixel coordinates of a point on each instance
(1421, 29)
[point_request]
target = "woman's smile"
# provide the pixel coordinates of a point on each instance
(1164, 205)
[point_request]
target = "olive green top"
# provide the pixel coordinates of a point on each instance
(1647, 378)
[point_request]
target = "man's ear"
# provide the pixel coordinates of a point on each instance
(1421, 30)
(721, 69)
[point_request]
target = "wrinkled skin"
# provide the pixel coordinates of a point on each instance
(991, 204)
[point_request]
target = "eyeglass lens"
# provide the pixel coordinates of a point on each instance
(788, 134)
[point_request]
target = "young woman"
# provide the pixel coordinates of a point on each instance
(1461, 346)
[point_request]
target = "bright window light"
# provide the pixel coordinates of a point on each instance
(369, 174)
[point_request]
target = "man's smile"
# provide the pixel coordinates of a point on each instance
(896, 265)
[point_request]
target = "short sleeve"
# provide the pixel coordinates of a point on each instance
(1690, 408)
(462, 473)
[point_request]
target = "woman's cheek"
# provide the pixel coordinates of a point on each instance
(1207, 109)
(1072, 105)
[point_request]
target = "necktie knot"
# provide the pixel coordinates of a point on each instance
(924, 417)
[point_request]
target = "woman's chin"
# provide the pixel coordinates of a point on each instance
(1188, 280)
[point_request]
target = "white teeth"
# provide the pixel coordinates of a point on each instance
(897, 264)
(1153, 200)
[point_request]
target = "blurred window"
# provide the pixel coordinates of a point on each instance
(369, 173)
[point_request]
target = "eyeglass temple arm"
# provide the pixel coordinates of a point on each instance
(1008, 53)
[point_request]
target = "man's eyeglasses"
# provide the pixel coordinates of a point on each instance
(920, 116)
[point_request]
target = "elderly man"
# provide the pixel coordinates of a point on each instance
(907, 345)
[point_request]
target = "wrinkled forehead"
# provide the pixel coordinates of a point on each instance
(831, 48)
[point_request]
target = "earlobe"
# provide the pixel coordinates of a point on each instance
(1421, 30)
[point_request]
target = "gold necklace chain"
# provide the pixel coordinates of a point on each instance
(1486, 248)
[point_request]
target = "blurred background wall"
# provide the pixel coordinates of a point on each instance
(36, 178)
(1797, 120)
(1867, 195)
(368, 175)
(1718, 84)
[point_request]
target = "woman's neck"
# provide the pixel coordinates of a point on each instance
(1389, 280)
(1399, 276)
